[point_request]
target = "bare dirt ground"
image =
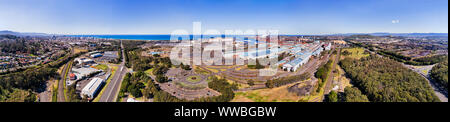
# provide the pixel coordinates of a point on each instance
(279, 94)
(341, 80)
(46, 96)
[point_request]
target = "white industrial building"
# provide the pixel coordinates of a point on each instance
(82, 73)
(300, 59)
(317, 51)
(328, 46)
(294, 64)
(96, 55)
(84, 61)
(92, 87)
(302, 56)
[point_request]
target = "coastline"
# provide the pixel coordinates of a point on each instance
(128, 37)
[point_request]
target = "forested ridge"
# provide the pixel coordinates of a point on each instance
(428, 60)
(350, 94)
(322, 74)
(30, 80)
(385, 80)
(16, 44)
(440, 74)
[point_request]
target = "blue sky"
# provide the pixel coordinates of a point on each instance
(165, 16)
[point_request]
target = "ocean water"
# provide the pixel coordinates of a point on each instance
(137, 37)
(128, 37)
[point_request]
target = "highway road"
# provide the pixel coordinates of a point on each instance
(62, 81)
(111, 91)
(60, 96)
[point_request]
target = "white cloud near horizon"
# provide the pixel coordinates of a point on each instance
(395, 21)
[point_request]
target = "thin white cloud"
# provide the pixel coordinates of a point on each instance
(395, 21)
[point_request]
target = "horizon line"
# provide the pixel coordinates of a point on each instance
(224, 34)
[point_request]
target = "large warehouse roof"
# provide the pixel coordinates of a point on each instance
(92, 87)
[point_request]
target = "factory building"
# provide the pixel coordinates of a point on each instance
(317, 51)
(96, 55)
(302, 54)
(92, 87)
(301, 58)
(84, 61)
(293, 65)
(327, 46)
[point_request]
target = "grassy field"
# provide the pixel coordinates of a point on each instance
(424, 71)
(55, 92)
(194, 79)
(279, 94)
(211, 69)
(200, 70)
(113, 72)
(78, 50)
(102, 67)
(149, 72)
(356, 53)
(191, 87)
(239, 68)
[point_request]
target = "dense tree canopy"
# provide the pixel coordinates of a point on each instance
(322, 74)
(332, 97)
(286, 80)
(31, 79)
(19, 44)
(429, 60)
(16, 95)
(440, 74)
(385, 80)
(352, 94)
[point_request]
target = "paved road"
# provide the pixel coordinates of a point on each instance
(111, 91)
(61, 82)
(440, 92)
